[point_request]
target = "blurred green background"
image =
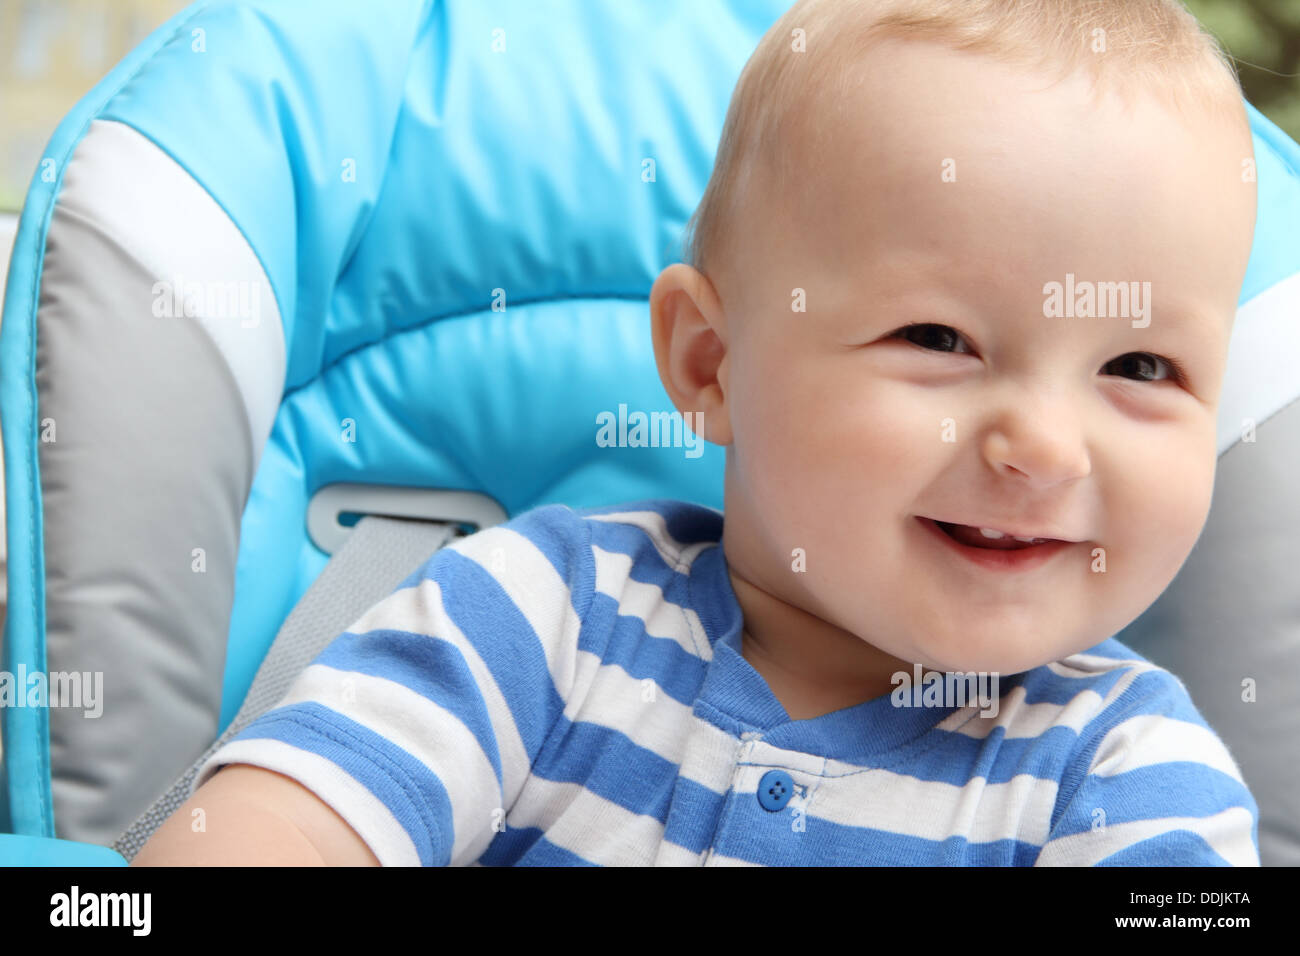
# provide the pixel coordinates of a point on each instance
(1263, 36)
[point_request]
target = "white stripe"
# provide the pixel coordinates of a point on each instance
(662, 618)
(419, 610)
(712, 756)
(636, 707)
(581, 822)
(364, 812)
(178, 232)
(1259, 379)
(1020, 720)
(428, 732)
(533, 585)
(563, 811)
(979, 811)
(670, 854)
(1150, 739)
(675, 554)
(718, 859)
(1089, 665)
(1227, 833)
(760, 753)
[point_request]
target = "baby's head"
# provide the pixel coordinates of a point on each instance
(1052, 195)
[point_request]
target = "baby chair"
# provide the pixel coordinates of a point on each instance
(305, 278)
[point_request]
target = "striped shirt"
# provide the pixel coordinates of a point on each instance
(568, 689)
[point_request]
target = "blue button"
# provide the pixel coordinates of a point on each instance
(775, 790)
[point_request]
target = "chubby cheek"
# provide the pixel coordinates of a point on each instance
(1155, 515)
(836, 464)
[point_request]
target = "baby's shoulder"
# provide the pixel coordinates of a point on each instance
(652, 542)
(1118, 708)
(663, 531)
(1108, 679)
(610, 549)
(659, 577)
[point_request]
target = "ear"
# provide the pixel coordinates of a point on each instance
(688, 327)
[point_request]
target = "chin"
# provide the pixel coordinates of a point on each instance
(988, 659)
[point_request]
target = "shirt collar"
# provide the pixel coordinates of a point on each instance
(734, 687)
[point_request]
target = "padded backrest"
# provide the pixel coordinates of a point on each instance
(420, 246)
(294, 243)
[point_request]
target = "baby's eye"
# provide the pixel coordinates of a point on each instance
(1143, 365)
(930, 335)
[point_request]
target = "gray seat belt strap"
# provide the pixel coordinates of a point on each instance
(376, 556)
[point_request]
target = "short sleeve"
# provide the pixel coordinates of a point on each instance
(1153, 785)
(420, 723)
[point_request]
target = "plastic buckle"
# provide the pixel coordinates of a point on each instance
(331, 502)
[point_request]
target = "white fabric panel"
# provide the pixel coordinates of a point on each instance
(1260, 379)
(181, 236)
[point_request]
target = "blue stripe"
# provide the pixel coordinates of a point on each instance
(509, 845)
(694, 815)
(561, 537)
(1173, 789)
(1175, 848)
(955, 759)
(773, 839)
(433, 668)
(1051, 688)
(476, 603)
(687, 526)
(624, 641)
(648, 564)
(546, 853)
(611, 765)
(410, 790)
(716, 607)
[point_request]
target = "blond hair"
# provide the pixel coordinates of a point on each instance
(1153, 46)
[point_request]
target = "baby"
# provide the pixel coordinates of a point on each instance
(958, 306)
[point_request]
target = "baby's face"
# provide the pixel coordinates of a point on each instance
(845, 435)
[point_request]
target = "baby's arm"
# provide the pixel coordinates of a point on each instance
(254, 817)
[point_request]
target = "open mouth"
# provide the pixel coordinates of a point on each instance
(975, 538)
(993, 554)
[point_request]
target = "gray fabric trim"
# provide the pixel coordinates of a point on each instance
(1233, 612)
(378, 555)
(206, 273)
(160, 405)
(150, 461)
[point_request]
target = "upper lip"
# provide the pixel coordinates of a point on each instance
(1009, 528)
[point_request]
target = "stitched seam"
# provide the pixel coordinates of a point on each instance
(690, 589)
(725, 818)
(897, 754)
(322, 725)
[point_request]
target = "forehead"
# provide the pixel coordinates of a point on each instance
(1007, 176)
